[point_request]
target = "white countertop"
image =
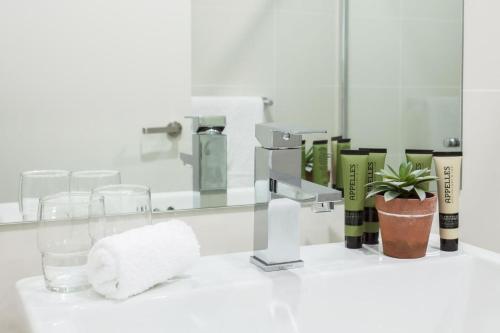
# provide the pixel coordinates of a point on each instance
(226, 293)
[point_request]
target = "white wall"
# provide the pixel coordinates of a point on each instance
(219, 231)
(287, 50)
(404, 68)
(78, 81)
(480, 197)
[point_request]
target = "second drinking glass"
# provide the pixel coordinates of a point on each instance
(87, 180)
(114, 209)
(36, 184)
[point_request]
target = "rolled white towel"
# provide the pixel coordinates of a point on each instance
(129, 263)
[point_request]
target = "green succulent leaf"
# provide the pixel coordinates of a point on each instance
(408, 188)
(389, 195)
(375, 192)
(421, 193)
(407, 183)
(394, 173)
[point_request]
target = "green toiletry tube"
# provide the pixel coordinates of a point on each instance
(421, 159)
(334, 161)
(354, 172)
(320, 162)
(341, 145)
(376, 162)
(303, 167)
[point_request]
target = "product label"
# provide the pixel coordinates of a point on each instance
(448, 185)
(371, 173)
(353, 171)
(448, 221)
(448, 233)
(354, 218)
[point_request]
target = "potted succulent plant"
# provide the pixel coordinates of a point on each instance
(405, 210)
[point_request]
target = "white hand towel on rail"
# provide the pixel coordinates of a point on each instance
(242, 113)
(129, 263)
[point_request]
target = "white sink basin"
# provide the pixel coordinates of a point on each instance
(338, 290)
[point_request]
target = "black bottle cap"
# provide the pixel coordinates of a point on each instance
(303, 142)
(336, 138)
(353, 242)
(344, 140)
(375, 150)
(320, 142)
(449, 245)
(447, 153)
(354, 152)
(419, 151)
(370, 238)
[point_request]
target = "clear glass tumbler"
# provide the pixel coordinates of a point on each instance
(87, 180)
(36, 184)
(64, 240)
(114, 209)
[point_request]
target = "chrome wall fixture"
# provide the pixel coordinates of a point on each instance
(173, 129)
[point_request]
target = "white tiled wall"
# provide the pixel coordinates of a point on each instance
(480, 197)
(404, 73)
(283, 49)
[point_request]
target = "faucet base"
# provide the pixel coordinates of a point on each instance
(277, 266)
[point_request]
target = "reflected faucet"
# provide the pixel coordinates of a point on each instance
(278, 174)
(209, 161)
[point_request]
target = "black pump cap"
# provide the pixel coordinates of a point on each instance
(352, 242)
(449, 245)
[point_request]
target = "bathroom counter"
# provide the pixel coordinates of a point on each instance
(338, 289)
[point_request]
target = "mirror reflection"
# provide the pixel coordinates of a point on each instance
(86, 102)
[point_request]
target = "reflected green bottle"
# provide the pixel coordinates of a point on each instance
(341, 145)
(303, 165)
(320, 162)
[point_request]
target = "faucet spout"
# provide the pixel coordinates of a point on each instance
(322, 197)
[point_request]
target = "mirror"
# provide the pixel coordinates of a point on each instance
(403, 75)
(82, 92)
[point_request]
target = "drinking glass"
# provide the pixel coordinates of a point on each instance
(64, 241)
(114, 209)
(87, 180)
(36, 184)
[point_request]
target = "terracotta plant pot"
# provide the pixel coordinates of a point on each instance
(405, 225)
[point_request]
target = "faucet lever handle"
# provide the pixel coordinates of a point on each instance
(306, 131)
(278, 136)
(323, 207)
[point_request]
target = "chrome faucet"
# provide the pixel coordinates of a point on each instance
(278, 174)
(209, 161)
